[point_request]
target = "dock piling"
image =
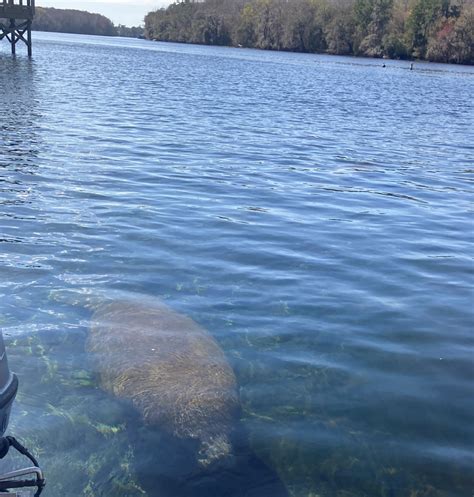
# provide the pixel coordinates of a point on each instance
(20, 14)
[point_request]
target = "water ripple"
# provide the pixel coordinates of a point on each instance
(313, 212)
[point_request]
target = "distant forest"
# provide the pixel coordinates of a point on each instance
(80, 22)
(435, 30)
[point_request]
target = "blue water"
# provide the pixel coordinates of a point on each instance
(314, 213)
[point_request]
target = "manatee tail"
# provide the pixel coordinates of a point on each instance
(215, 450)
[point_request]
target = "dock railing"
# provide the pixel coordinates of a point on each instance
(17, 9)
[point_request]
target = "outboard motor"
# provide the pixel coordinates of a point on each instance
(22, 478)
(8, 388)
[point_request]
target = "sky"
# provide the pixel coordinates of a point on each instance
(128, 12)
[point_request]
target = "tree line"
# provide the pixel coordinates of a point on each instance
(435, 30)
(80, 22)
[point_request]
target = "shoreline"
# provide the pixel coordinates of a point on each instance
(356, 56)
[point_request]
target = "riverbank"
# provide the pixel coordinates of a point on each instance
(73, 21)
(436, 31)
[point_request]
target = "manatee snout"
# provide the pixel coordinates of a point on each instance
(172, 371)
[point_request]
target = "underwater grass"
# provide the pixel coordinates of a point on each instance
(83, 437)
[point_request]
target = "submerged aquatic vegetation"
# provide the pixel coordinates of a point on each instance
(338, 457)
(78, 430)
(72, 427)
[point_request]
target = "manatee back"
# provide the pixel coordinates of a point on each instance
(172, 370)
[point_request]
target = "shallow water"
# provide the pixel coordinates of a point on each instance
(314, 213)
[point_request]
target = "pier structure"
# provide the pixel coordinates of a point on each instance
(16, 17)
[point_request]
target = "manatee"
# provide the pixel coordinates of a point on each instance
(171, 369)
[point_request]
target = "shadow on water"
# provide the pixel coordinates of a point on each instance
(166, 468)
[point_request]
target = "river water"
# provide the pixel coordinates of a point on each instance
(313, 213)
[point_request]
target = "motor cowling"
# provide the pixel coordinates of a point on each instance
(19, 479)
(8, 388)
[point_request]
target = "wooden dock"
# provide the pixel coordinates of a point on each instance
(16, 17)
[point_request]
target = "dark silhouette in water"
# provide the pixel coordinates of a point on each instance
(172, 370)
(186, 435)
(165, 467)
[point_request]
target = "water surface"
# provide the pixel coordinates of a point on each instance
(314, 213)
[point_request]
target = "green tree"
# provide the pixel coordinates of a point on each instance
(423, 18)
(435, 29)
(303, 26)
(373, 17)
(72, 21)
(269, 26)
(394, 40)
(340, 32)
(454, 40)
(245, 31)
